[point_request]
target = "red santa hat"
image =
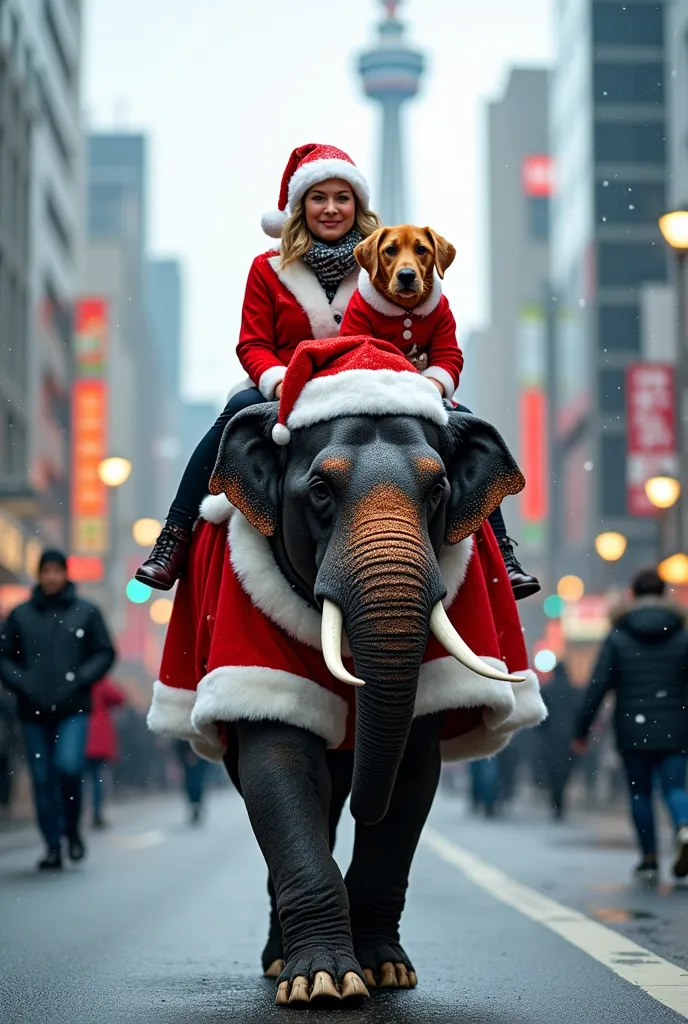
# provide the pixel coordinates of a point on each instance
(307, 166)
(352, 376)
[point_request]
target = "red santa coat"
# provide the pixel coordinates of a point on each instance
(101, 741)
(283, 307)
(428, 329)
(242, 646)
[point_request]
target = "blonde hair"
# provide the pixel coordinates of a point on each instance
(297, 237)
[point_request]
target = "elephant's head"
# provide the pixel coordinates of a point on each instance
(356, 510)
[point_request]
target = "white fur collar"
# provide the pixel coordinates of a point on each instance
(310, 295)
(383, 305)
(254, 564)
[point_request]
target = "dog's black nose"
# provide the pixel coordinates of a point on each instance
(406, 277)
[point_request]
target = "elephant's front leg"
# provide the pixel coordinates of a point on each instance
(377, 879)
(286, 786)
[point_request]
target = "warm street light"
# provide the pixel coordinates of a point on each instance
(570, 588)
(161, 611)
(674, 227)
(663, 491)
(610, 546)
(114, 471)
(674, 569)
(146, 531)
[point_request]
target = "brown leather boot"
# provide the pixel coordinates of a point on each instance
(163, 567)
(522, 584)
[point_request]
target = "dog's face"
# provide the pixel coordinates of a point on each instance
(400, 261)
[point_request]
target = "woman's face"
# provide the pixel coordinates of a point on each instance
(330, 209)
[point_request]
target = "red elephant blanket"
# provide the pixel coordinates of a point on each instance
(242, 645)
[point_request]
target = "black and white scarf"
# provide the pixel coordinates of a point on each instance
(332, 261)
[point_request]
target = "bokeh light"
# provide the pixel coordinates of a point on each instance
(145, 531)
(138, 593)
(553, 606)
(570, 588)
(663, 491)
(611, 545)
(114, 471)
(545, 660)
(161, 611)
(674, 570)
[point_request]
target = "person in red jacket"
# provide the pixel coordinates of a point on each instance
(297, 290)
(101, 742)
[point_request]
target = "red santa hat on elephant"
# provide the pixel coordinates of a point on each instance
(307, 166)
(352, 376)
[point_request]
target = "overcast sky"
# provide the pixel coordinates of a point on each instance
(226, 88)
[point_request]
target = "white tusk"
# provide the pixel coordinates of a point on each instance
(331, 634)
(443, 630)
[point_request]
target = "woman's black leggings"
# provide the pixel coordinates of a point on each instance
(194, 483)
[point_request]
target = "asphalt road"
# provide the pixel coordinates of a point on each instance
(164, 924)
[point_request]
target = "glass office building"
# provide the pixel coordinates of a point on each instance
(608, 133)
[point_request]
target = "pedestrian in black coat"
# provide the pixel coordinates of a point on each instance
(562, 701)
(644, 661)
(53, 649)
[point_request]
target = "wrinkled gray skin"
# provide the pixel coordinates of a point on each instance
(356, 510)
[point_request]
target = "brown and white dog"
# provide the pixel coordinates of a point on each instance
(399, 299)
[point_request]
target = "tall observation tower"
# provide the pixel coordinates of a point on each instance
(391, 74)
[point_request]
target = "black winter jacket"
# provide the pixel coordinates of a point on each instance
(644, 660)
(52, 651)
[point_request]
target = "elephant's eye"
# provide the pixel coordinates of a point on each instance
(320, 492)
(437, 493)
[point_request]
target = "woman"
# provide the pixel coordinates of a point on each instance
(295, 291)
(101, 743)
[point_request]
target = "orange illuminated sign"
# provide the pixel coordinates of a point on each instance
(90, 337)
(89, 448)
(536, 176)
(86, 568)
(533, 454)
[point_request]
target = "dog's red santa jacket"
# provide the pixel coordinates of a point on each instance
(427, 331)
(242, 645)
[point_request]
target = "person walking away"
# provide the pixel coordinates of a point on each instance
(562, 701)
(101, 742)
(644, 661)
(53, 649)
(194, 770)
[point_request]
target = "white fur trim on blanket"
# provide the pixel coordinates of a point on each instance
(445, 683)
(216, 508)
(270, 379)
(252, 694)
(494, 733)
(255, 566)
(170, 711)
(301, 281)
(388, 308)
(367, 393)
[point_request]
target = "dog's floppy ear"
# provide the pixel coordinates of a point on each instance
(445, 253)
(366, 252)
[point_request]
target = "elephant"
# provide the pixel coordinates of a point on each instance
(349, 539)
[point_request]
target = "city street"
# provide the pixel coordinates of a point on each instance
(165, 924)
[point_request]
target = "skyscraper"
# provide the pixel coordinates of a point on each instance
(391, 75)
(608, 124)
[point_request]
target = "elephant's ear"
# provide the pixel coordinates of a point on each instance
(247, 469)
(481, 472)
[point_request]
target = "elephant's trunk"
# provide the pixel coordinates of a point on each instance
(393, 582)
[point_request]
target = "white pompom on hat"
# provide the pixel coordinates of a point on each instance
(307, 166)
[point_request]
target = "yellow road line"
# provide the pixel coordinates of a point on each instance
(662, 980)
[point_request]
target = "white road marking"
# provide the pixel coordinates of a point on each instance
(662, 980)
(142, 840)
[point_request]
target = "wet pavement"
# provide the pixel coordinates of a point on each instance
(164, 924)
